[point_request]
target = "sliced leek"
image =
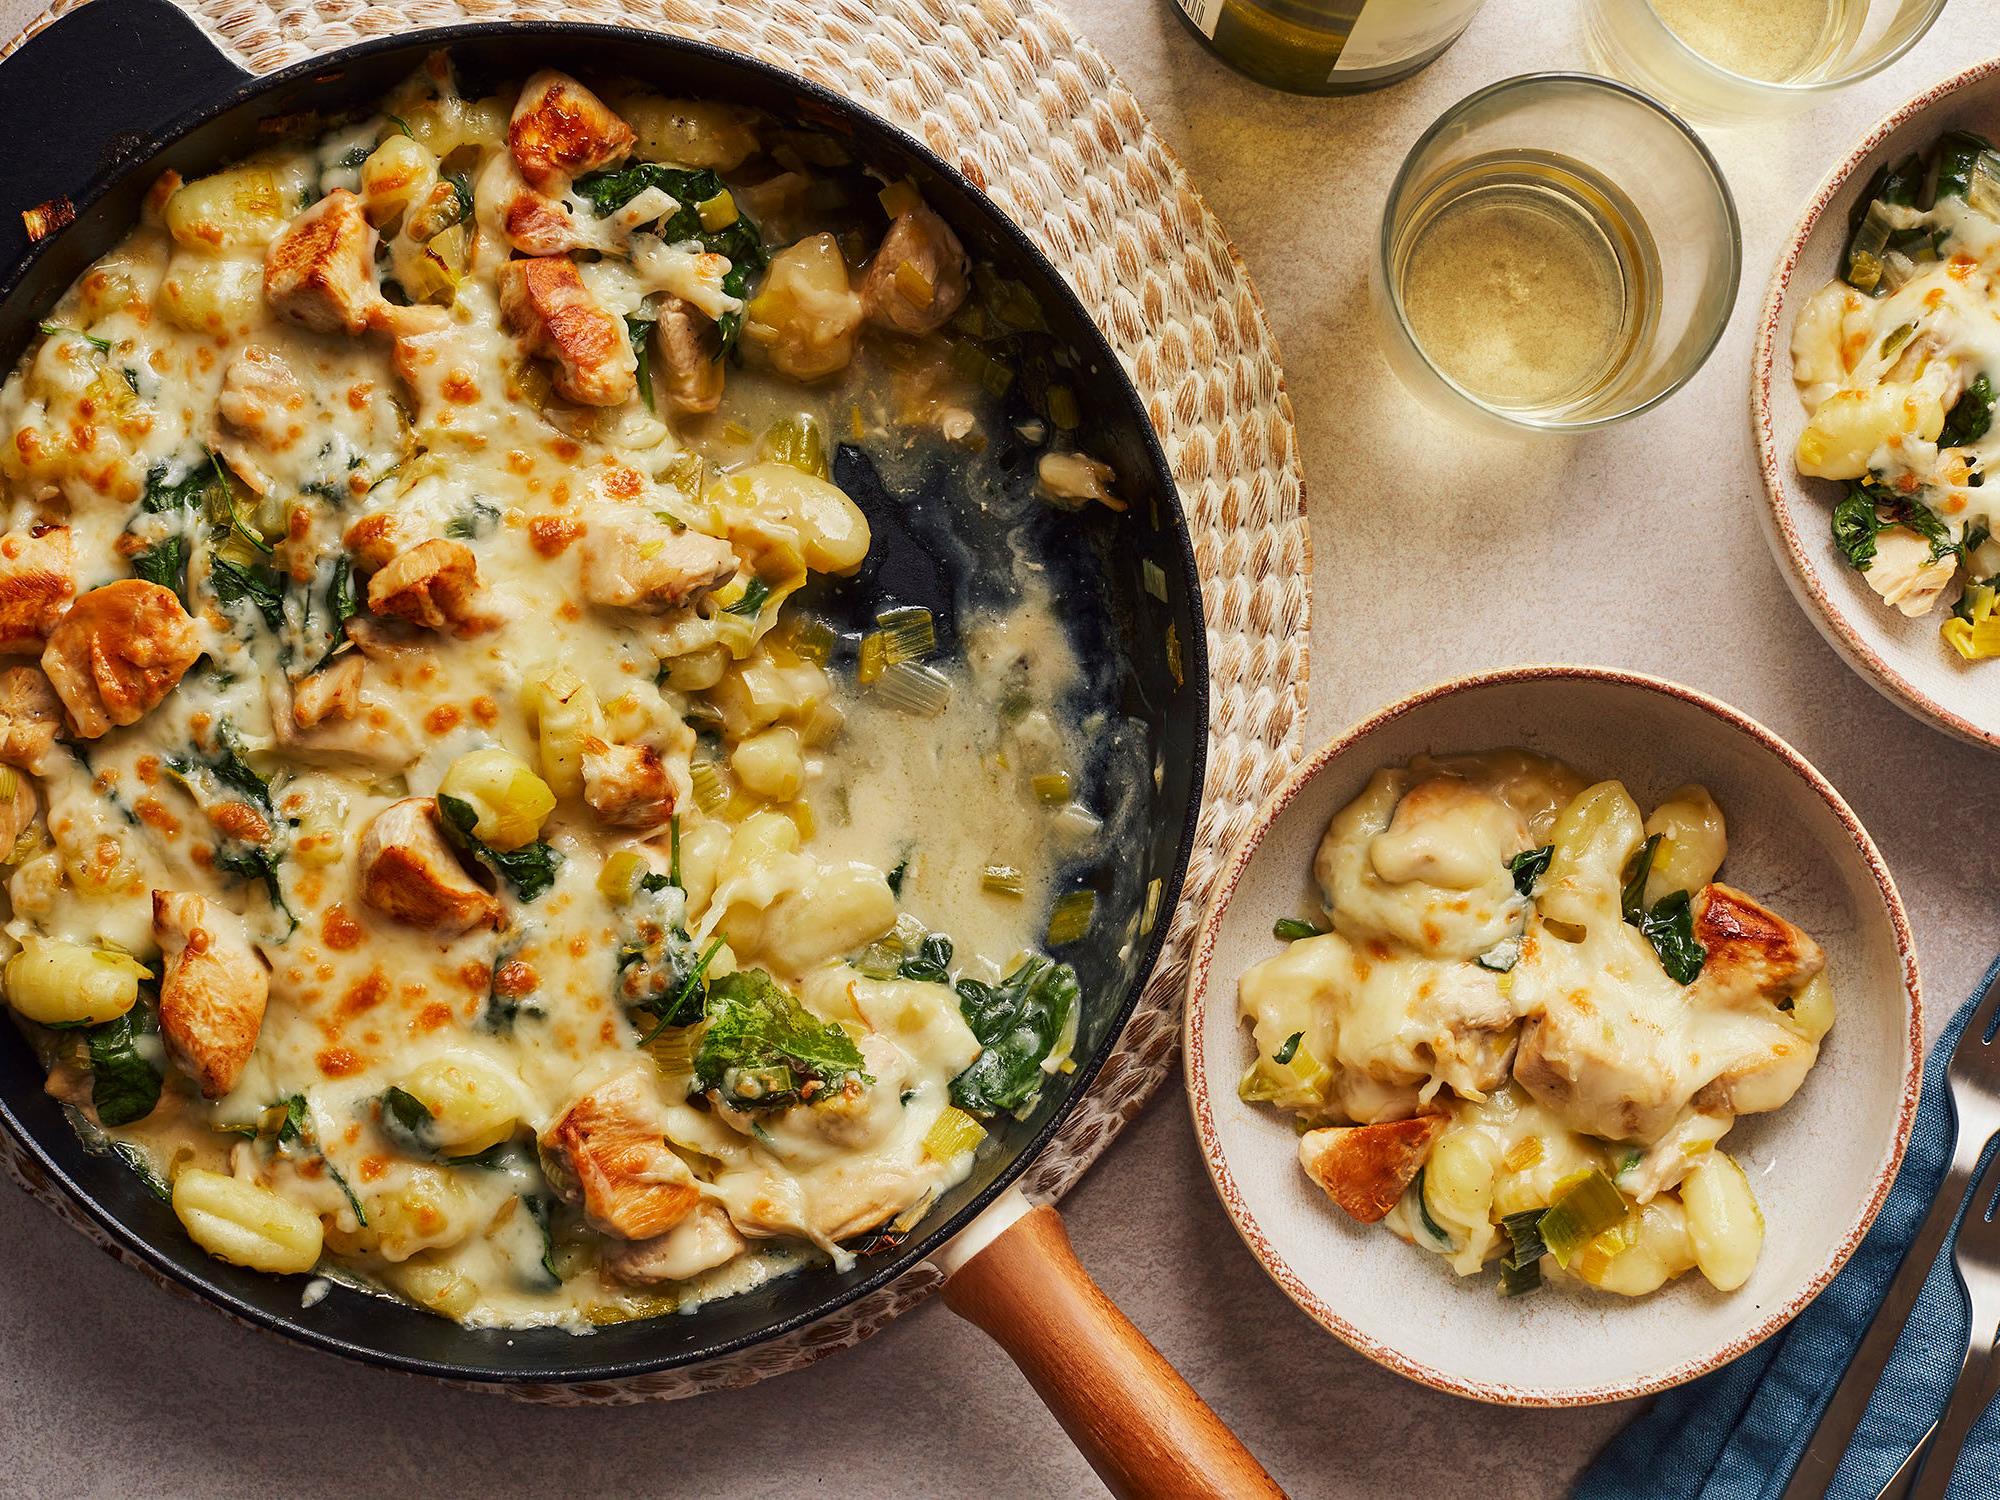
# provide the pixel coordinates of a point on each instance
(1004, 880)
(914, 689)
(1069, 918)
(952, 1134)
(1581, 1212)
(1052, 789)
(710, 793)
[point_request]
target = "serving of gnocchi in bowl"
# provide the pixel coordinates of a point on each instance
(1872, 399)
(604, 702)
(1554, 1035)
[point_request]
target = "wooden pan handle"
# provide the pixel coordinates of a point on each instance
(1144, 1430)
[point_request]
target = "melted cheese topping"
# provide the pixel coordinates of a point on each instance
(795, 796)
(1544, 1025)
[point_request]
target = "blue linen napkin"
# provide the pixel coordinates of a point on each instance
(1737, 1434)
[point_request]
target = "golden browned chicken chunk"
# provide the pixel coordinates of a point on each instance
(1365, 1168)
(30, 715)
(17, 810)
(702, 1241)
(334, 693)
(434, 585)
(627, 785)
(374, 540)
(213, 988)
(917, 279)
(546, 303)
(689, 371)
(117, 653)
(320, 273)
(35, 585)
(608, 1154)
(633, 560)
(561, 130)
(408, 871)
(262, 399)
(1753, 953)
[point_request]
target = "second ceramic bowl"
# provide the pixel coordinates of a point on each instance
(1821, 1166)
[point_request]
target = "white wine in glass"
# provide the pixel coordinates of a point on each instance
(1528, 278)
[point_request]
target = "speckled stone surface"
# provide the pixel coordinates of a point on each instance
(1436, 552)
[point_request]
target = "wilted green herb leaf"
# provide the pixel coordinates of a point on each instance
(1018, 1022)
(123, 1086)
(530, 870)
(761, 1046)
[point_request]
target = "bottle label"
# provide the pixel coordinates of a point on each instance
(1388, 32)
(1204, 14)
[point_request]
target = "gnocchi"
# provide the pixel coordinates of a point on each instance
(246, 1224)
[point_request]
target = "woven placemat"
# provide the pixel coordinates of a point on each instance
(1030, 112)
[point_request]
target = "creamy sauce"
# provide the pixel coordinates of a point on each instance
(453, 433)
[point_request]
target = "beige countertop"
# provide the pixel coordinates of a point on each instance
(1435, 552)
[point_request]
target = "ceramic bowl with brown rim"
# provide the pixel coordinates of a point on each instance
(1821, 1166)
(1903, 658)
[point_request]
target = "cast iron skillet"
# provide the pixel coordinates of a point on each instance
(92, 110)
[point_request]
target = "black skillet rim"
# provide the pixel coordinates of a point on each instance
(1196, 647)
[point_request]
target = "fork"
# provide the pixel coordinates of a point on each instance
(1973, 1078)
(1976, 1257)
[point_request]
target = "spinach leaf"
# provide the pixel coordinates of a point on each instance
(1291, 929)
(233, 771)
(764, 1050)
(610, 190)
(503, 1009)
(678, 998)
(233, 583)
(189, 492)
(123, 1086)
(1913, 515)
(164, 563)
(896, 877)
(1528, 867)
(295, 1129)
(1439, 1235)
(640, 330)
(50, 330)
(1871, 508)
(461, 185)
(540, 1208)
(1970, 415)
(408, 1121)
(475, 520)
(530, 869)
(1669, 927)
(930, 963)
(1633, 898)
(343, 598)
(257, 862)
(1855, 527)
(295, 1123)
(1018, 1022)
(1289, 1050)
(739, 240)
(136, 1158)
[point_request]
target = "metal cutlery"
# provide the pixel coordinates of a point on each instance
(1976, 1256)
(1973, 1078)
